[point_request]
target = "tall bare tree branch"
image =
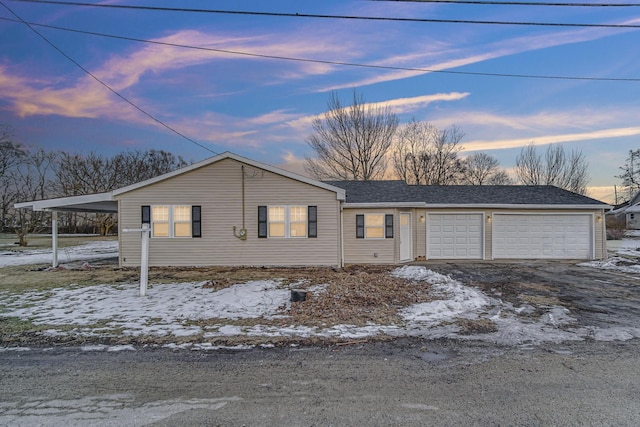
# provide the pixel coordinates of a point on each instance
(351, 142)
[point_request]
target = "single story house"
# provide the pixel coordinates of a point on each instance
(630, 211)
(231, 210)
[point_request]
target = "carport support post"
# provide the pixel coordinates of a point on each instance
(54, 238)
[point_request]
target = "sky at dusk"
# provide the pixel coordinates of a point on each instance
(223, 90)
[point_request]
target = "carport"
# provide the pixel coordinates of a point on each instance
(92, 203)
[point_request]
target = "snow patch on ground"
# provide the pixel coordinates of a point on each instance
(167, 310)
(175, 310)
(88, 251)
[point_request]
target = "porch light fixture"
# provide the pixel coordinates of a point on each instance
(421, 218)
(598, 218)
(488, 218)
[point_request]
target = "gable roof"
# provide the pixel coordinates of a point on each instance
(107, 203)
(399, 193)
(340, 193)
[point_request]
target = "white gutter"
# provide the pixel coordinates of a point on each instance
(470, 205)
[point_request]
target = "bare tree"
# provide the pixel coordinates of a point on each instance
(12, 155)
(31, 180)
(95, 173)
(412, 141)
(501, 177)
(556, 168)
(630, 175)
(483, 169)
(351, 142)
(425, 155)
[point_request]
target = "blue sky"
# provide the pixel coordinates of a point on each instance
(262, 108)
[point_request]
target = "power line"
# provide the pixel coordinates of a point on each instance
(105, 84)
(517, 3)
(328, 62)
(322, 16)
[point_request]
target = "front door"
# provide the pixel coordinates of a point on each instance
(405, 237)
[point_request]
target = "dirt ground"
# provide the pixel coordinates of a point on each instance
(595, 297)
(360, 295)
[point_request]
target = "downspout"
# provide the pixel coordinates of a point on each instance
(341, 236)
(242, 235)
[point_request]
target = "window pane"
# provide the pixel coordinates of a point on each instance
(374, 232)
(160, 213)
(182, 213)
(374, 226)
(161, 229)
(298, 213)
(182, 229)
(276, 230)
(375, 220)
(276, 213)
(298, 229)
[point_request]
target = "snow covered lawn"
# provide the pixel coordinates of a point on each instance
(195, 315)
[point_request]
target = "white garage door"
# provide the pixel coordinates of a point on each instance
(542, 236)
(454, 236)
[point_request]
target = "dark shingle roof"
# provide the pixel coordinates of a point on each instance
(456, 195)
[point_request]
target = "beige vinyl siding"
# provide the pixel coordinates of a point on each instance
(218, 189)
(368, 251)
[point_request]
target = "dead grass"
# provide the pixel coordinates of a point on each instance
(476, 326)
(539, 300)
(358, 295)
(355, 295)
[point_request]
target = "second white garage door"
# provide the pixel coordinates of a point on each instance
(454, 236)
(542, 236)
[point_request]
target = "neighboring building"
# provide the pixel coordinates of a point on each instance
(230, 210)
(630, 211)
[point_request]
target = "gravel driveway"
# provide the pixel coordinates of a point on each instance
(596, 298)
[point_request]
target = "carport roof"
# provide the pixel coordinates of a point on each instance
(100, 203)
(398, 192)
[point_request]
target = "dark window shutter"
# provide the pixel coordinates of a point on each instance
(146, 214)
(359, 226)
(312, 218)
(196, 221)
(262, 221)
(388, 226)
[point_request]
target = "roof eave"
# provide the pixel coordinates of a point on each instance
(471, 205)
(101, 201)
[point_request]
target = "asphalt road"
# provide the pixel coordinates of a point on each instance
(401, 383)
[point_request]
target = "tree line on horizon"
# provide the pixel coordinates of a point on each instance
(35, 174)
(361, 141)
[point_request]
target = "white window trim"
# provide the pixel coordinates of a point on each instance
(288, 222)
(172, 223)
(367, 215)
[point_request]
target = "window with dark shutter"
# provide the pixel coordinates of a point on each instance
(262, 222)
(146, 215)
(312, 218)
(388, 226)
(359, 226)
(196, 221)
